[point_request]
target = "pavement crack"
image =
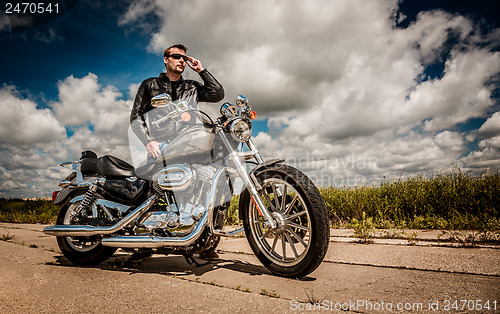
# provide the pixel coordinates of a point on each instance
(413, 268)
(262, 292)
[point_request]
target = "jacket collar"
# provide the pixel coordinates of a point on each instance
(164, 77)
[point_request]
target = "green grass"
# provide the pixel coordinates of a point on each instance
(232, 212)
(6, 237)
(453, 200)
(29, 211)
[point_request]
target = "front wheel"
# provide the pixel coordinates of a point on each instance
(299, 243)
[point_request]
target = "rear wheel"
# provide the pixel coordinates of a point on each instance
(299, 243)
(80, 250)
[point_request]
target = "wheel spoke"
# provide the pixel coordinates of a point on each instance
(276, 201)
(296, 215)
(283, 244)
(285, 202)
(265, 234)
(292, 224)
(283, 199)
(289, 239)
(275, 241)
(292, 203)
(296, 236)
(259, 221)
(268, 199)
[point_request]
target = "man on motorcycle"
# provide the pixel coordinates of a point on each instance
(172, 83)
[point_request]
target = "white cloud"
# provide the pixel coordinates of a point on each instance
(33, 141)
(491, 127)
(482, 159)
(493, 142)
(432, 29)
(21, 122)
(450, 141)
(81, 99)
(132, 90)
(283, 56)
(365, 160)
(343, 89)
(340, 82)
(137, 10)
(462, 93)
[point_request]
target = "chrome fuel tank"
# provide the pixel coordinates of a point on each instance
(192, 145)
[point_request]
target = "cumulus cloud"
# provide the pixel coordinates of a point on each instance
(450, 141)
(491, 127)
(431, 31)
(488, 152)
(366, 160)
(137, 10)
(462, 93)
(34, 141)
(83, 101)
(279, 54)
(97, 115)
(80, 99)
(349, 96)
(21, 122)
(339, 81)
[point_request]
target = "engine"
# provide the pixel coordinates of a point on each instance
(185, 189)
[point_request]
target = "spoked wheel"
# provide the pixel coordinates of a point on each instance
(299, 243)
(80, 250)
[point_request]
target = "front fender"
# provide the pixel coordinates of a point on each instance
(245, 195)
(266, 164)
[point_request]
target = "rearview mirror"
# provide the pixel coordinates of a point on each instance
(161, 100)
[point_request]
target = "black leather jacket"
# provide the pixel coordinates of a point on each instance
(210, 91)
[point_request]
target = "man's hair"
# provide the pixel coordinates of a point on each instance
(178, 46)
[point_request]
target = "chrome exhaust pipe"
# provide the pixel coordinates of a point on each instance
(150, 241)
(232, 233)
(86, 231)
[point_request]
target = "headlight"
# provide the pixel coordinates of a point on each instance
(241, 130)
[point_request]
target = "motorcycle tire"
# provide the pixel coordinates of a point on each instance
(83, 251)
(298, 245)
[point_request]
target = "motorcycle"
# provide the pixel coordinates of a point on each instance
(177, 204)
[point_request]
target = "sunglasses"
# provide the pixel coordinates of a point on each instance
(177, 56)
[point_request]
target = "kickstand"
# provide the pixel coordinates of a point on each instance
(190, 260)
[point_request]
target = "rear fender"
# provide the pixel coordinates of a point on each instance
(67, 193)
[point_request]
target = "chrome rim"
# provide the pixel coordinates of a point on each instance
(80, 244)
(289, 243)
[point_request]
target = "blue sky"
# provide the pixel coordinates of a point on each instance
(349, 92)
(88, 39)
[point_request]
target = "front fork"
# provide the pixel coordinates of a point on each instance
(245, 177)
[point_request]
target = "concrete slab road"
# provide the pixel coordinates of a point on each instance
(360, 278)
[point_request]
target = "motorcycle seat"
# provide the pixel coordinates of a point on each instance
(110, 166)
(148, 170)
(89, 166)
